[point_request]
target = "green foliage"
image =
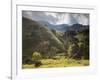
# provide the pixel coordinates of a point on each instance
(49, 63)
(84, 43)
(77, 44)
(70, 49)
(73, 51)
(36, 56)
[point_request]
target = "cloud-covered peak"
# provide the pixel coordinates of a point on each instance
(57, 18)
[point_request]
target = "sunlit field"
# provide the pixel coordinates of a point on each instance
(50, 63)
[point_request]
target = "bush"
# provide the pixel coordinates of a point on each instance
(73, 52)
(26, 60)
(36, 56)
(37, 63)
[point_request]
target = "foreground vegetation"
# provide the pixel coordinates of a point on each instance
(49, 63)
(59, 60)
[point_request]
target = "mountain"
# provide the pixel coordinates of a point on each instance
(59, 28)
(64, 27)
(78, 27)
(37, 37)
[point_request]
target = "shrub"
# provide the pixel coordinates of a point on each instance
(36, 56)
(26, 60)
(37, 63)
(73, 52)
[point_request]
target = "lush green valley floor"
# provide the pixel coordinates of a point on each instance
(51, 63)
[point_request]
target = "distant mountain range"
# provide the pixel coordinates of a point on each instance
(64, 27)
(61, 27)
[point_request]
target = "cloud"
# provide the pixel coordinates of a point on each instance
(57, 17)
(81, 18)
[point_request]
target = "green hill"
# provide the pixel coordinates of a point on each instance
(38, 38)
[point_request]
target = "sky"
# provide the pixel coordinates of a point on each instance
(57, 18)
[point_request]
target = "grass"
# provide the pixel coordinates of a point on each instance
(51, 63)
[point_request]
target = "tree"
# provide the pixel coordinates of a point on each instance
(73, 51)
(83, 38)
(84, 50)
(36, 56)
